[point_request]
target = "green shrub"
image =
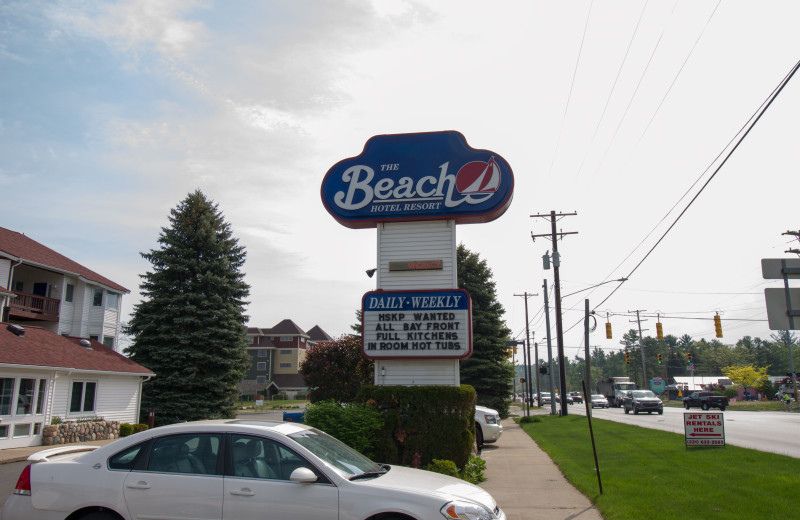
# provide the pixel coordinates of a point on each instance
(125, 429)
(472, 472)
(354, 424)
(139, 427)
(429, 422)
(56, 420)
(445, 467)
(530, 419)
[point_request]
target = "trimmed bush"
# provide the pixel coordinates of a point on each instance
(445, 467)
(125, 429)
(353, 423)
(139, 427)
(432, 422)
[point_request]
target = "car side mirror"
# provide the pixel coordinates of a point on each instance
(304, 475)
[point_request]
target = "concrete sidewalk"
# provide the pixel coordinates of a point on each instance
(527, 484)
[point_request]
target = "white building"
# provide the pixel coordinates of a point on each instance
(41, 287)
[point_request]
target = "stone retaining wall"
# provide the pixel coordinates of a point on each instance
(69, 432)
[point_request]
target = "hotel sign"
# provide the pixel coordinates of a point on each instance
(413, 177)
(417, 324)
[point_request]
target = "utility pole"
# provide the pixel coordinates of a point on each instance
(795, 234)
(549, 351)
(527, 295)
(559, 328)
(641, 347)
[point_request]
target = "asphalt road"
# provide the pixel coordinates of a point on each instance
(775, 432)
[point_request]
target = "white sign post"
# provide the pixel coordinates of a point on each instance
(704, 428)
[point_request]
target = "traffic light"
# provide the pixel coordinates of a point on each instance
(659, 331)
(521, 379)
(718, 325)
(515, 350)
(627, 359)
(689, 357)
(659, 359)
(608, 330)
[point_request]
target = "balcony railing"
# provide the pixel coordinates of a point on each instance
(31, 307)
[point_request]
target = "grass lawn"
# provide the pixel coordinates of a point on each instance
(650, 474)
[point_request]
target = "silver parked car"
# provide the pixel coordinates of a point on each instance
(235, 469)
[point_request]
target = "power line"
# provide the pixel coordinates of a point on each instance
(764, 108)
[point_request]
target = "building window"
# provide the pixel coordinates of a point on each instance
(98, 297)
(302, 340)
(83, 395)
(286, 338)
(3, 431)
(286, 365)
(37, 428)
(25, 397)
(22, 430)
(261, 380)
(18, 286)
(251, 340)
(70, 293)
(262, 352)
(108, 341)
(112, 301)
(40, 396)
(6, 393)
(261, 366)
(286, 351)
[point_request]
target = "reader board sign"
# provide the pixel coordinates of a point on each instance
(704, 428)
(433, 324)
(421, 176)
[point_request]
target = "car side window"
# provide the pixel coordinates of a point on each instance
(263, 458)
(126, 459)
(192, 453)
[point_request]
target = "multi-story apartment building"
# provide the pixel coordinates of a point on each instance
(275, 357)
(41, 287)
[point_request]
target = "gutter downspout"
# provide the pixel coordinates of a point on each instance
(139, 397)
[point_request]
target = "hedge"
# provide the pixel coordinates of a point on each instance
(423, 423)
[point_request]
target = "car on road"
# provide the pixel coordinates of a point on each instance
(487, 426)
(577, 397)
(705, 400)
(642, 401)
(599, 401)
(234, 469)
(544, 399)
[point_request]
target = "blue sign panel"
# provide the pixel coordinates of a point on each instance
(417, 324)
(425, 176)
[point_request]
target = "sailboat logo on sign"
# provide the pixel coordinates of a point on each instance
(478, 177)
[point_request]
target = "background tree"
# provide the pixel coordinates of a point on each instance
(189, 328)
(487, 370)
(746, 376)
(336, 370)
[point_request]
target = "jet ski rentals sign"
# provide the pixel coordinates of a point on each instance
(412, 177)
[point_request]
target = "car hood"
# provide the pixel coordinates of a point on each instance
(647, 399)
(421, 482)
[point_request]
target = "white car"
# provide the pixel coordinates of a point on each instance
(599, 401)
(487, 426)
(235, 469)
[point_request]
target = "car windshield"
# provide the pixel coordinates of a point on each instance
(336, 454)
(598, 397)
(642, 394)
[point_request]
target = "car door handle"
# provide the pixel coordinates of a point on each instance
(244, 492)
(139, 485)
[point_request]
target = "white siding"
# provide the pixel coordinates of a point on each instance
(417, 372)
(5, 268)
(118, 399)
(405, 241)
(422, 240)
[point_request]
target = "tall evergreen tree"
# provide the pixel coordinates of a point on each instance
(487, 370)
(190, 326)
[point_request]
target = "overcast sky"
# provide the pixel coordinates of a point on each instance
(111, 113)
